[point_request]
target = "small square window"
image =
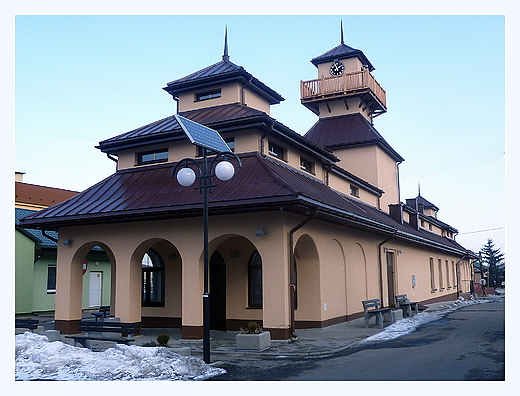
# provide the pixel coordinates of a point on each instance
(306, 165)
(354, 190)
(276, 151)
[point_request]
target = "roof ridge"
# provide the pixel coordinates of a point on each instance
(201, 71)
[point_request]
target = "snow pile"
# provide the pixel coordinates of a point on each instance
(39, 359)
(409, 324)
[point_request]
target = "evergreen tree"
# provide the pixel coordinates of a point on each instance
(493, 258)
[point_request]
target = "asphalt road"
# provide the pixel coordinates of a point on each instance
(468, 344)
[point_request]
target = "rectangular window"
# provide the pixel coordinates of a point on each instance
(152, 157)
(306, 165)
(217, 93)
(354, 191)
(276, 151)
(432, 275)
(454, 273)
(448, 284)
(441, 284)
(51, 279)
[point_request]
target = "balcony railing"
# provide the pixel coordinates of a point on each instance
(347, 83)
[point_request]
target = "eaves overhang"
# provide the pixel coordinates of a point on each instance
(240, 76)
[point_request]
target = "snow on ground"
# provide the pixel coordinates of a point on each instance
(39, 359)
(409, 324)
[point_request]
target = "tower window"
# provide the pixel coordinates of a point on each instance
(354, 190)
(217, 93)
(152, 157)
(306, 165)
(276, 151)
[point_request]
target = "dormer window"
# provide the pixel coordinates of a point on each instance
(152, 157)
(217, 93)
(276, 151)
(306, 165)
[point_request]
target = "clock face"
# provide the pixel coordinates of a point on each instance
(337, 68)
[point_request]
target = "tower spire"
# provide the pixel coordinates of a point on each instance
(341, 28)
(225, 57)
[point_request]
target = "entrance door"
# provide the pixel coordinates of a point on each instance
(390, 271)
(94, 294)
(217, 291)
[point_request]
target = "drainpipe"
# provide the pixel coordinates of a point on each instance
(262, 139)
(44, 233)
(110, 156)
(292, 265)
(380, 262)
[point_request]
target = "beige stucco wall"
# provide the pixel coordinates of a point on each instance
(333, 108)
(383, 174)
(351, 65)
(337, 268)
(230, 93)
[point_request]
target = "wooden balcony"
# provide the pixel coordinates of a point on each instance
(360, 83)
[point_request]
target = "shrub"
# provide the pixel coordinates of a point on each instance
(252, 328)
(162, 339)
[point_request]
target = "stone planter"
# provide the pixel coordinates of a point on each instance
(253, 342)
(393, 316)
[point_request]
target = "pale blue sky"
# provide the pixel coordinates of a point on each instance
(83, 79)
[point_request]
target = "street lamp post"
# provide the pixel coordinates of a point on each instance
(186, 176)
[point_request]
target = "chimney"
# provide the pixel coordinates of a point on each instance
(18, 176)
(414, 220)
(396, 212)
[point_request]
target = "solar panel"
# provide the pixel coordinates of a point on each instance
(202, 136)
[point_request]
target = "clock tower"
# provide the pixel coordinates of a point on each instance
(344, 85)
(347, 98)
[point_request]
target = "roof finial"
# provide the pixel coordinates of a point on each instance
(341, 25)
(419, 189)
(225, 57)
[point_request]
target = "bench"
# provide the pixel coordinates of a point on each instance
(102, 313)
(403, 302)
(375, 311)
(94, 331)
(30, 324)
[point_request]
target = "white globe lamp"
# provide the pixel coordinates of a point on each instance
(224, 170)
(186, 177)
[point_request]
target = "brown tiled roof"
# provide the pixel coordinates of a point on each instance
(222, 118)
(168, 127)
(222, 72)
(342, 51)
(150, 193)
(345, 131)
(40, 195)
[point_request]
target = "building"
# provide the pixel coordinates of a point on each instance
(308, 228)
(35, 256)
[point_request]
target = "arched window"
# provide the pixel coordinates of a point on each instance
(254, 271)
(153, 279)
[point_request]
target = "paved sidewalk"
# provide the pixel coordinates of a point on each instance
(310, 342)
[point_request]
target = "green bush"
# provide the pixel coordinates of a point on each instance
(162, 339)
